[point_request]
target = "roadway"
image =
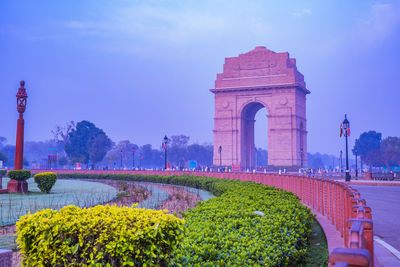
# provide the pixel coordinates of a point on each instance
(385, 204)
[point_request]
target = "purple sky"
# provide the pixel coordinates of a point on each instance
(142, 69)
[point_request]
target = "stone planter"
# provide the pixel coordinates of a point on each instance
(14, 186)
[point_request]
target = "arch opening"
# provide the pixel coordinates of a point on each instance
(253, 136)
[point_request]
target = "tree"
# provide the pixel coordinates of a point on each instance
(374, 158)
(179, 141)
(3, 157)
(201, 153)
(61, 134)
(63, 161)
(2, 141)
(123, 149)
(367, 142)
(390, 152)
(262, 157)
(87, 142)
(177, 151)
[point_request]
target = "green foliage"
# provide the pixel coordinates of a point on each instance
(98, 236)
(19, 175)
(87, 142)
(224, 231)
(390, 151)
(45, 181)
(63, 161)
(367, 142)
(318, 253)
(3, 172)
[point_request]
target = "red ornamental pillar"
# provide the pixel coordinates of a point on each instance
(21, 106)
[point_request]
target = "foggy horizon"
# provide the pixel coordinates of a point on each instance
(142, 70)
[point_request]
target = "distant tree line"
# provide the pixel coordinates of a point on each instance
(84, 142)
(378, 152)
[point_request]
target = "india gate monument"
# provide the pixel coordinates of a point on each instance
(249, 82)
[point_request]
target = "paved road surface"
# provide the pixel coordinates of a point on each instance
(385, 204)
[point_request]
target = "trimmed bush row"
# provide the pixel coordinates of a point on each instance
(45, 181)
(225, 231)
(98, 236)
(19, 175)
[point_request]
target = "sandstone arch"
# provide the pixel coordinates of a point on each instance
(249, 82)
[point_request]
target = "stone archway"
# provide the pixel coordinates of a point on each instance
(249, 82)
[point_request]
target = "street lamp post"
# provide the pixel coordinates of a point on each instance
(355, 151)
(120, 166)
(165, 142)
(220, 156)
(346, 132)
(301, 157)
(133, 158)
(255, 157)
(341, 160)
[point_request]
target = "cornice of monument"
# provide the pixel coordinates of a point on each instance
(260, 87)
(259, 69)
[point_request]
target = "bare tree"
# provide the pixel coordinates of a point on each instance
(61, 133)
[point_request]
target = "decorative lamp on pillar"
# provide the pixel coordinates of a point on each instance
(14, 185)
(21, 106)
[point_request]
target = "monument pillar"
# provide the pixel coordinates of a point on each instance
(19, 147)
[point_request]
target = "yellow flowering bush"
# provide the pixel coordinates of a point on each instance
(98, 236)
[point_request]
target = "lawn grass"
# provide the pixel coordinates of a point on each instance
(317, 253)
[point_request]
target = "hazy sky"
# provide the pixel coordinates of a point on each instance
(142, 69)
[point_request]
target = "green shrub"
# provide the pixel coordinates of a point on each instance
(98, 236)
(45, 181)
(19, 175)
(225, 231)
(3, 172)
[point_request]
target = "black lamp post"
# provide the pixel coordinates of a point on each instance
(220, 155)
(301, 157)
(355, 152)
(165, 142)
(133, 158)
(120, 166)
(341, 160)
(346, 132)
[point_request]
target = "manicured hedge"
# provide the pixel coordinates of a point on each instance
(98, 236)
(45, 181)
(19, 175)
(225, 231)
